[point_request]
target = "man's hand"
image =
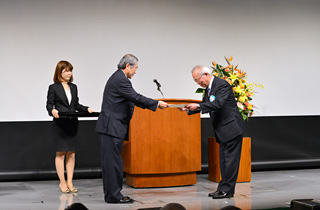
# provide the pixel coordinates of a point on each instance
(90, 110)
(183, 109)
(192, 107)
(163, 105)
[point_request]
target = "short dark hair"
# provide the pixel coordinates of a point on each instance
(59, 68)
(77, 206)
(128, 58)
(230, 208)
(173, 206)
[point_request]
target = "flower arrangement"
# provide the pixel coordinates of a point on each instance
(242, 90)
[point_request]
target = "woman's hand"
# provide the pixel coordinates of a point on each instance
(90, 110)
(54, 113)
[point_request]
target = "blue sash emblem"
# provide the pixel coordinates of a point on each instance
(212, 98)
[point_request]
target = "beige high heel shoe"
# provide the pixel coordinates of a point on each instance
(64, 191)
(74, 190)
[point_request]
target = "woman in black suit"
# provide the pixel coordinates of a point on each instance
(63, 97)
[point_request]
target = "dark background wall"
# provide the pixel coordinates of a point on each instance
(26, 151)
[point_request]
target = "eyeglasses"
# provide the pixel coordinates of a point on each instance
(198, 79)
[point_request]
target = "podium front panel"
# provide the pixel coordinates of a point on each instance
(163, 143)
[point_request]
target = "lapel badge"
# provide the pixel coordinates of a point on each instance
(212, 98)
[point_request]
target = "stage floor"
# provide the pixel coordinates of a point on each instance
(271, 189)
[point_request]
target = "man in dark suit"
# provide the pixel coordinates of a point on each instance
(119, 99)
(219, 101)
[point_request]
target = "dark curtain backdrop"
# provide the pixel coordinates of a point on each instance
(278, 143)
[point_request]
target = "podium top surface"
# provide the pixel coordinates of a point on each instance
(178, 100)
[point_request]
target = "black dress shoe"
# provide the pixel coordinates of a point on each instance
(212, 194)
(125, 199)
(221, 194)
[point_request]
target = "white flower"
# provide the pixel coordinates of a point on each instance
(240, 105)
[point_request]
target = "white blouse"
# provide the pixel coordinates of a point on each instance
(68, 93)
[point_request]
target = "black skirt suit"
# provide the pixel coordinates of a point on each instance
(64, 130)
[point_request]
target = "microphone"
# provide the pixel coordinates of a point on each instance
(158, 86)
(157, 83)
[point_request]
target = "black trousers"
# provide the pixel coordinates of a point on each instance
(112, 167)
(229, 157)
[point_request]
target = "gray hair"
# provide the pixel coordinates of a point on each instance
(202, 70)
(128, 58)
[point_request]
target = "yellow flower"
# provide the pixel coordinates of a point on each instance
(242, 99)
(250, 106)
(239, 90)
(233, 77)
(216, 74)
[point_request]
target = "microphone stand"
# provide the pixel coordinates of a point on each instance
(160, 91)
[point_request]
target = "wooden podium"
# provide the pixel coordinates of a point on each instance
(164, 147)
(244, 174)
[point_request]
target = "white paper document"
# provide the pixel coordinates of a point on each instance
(177, 105)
